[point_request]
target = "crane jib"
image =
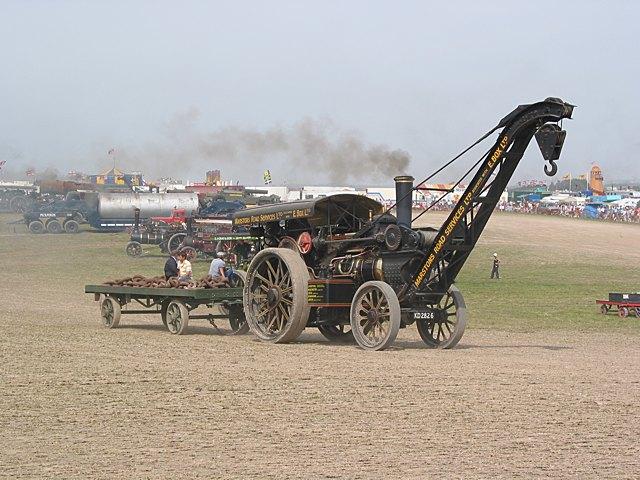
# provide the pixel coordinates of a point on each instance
(455, 217)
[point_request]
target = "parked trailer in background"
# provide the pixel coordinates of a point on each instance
(624, 303)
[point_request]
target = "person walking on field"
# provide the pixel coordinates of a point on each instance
(495, 271)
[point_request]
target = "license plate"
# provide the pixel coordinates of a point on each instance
(424, 315)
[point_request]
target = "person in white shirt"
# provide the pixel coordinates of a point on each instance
(184, 266)
(216, 270)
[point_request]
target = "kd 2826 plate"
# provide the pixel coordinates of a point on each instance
(424, 315)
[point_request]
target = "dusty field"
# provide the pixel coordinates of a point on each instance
(80, 401)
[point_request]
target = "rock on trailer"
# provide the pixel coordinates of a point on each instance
(346, 266)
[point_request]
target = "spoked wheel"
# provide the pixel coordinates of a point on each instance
(623, 312)
(133, 249)
(275, 295)
(177, 317)
(375, 315)
(110, 312)
(637, 311)
(337, 333)
(446, 329)
(191, 253)
(175, 241)
(604, 309)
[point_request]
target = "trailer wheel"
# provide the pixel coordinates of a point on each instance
(337, 333)
(623, 312)
(446, 329)
(110, 312)
(53, 226)
(275, 295)
(36, 227)
(163, 311)
(604, 309)
(637, 311)
(177, 317)
(71, 226)
(237, 321)
(375, 315)
(133, 249)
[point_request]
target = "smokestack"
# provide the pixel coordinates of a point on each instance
(404, 199)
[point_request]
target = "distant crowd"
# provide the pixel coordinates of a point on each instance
(614, 213)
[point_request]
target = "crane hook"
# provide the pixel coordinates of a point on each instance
(550, 172)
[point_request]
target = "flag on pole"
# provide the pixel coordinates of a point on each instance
(111, 151)
(567, 176)
(2, 162)
(266, 177)
(30, 172)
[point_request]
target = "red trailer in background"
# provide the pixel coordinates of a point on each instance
(624, 303)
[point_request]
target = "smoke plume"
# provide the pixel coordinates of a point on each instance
(310, 150)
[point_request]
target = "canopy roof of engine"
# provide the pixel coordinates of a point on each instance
(318, 211)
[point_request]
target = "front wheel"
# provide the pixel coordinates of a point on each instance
(450, 319)
(375, 315)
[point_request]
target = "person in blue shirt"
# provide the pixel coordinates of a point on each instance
(216, 270)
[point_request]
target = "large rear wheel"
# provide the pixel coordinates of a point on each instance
(446, 328)
(275, 295)
(375, 315)
(175, 242)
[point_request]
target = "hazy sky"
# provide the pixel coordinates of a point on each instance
(172, 85)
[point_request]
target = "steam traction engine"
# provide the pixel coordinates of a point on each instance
(348, 267)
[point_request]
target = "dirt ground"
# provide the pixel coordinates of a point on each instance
(80, 401)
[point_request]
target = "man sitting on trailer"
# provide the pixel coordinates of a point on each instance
(184, 266)
(216, 270)
(171, 266)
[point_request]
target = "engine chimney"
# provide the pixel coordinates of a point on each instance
(404, 199)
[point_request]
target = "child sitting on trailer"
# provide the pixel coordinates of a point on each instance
(184, 267)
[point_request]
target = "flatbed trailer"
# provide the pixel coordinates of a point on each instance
(174, 305)
(623, 307)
